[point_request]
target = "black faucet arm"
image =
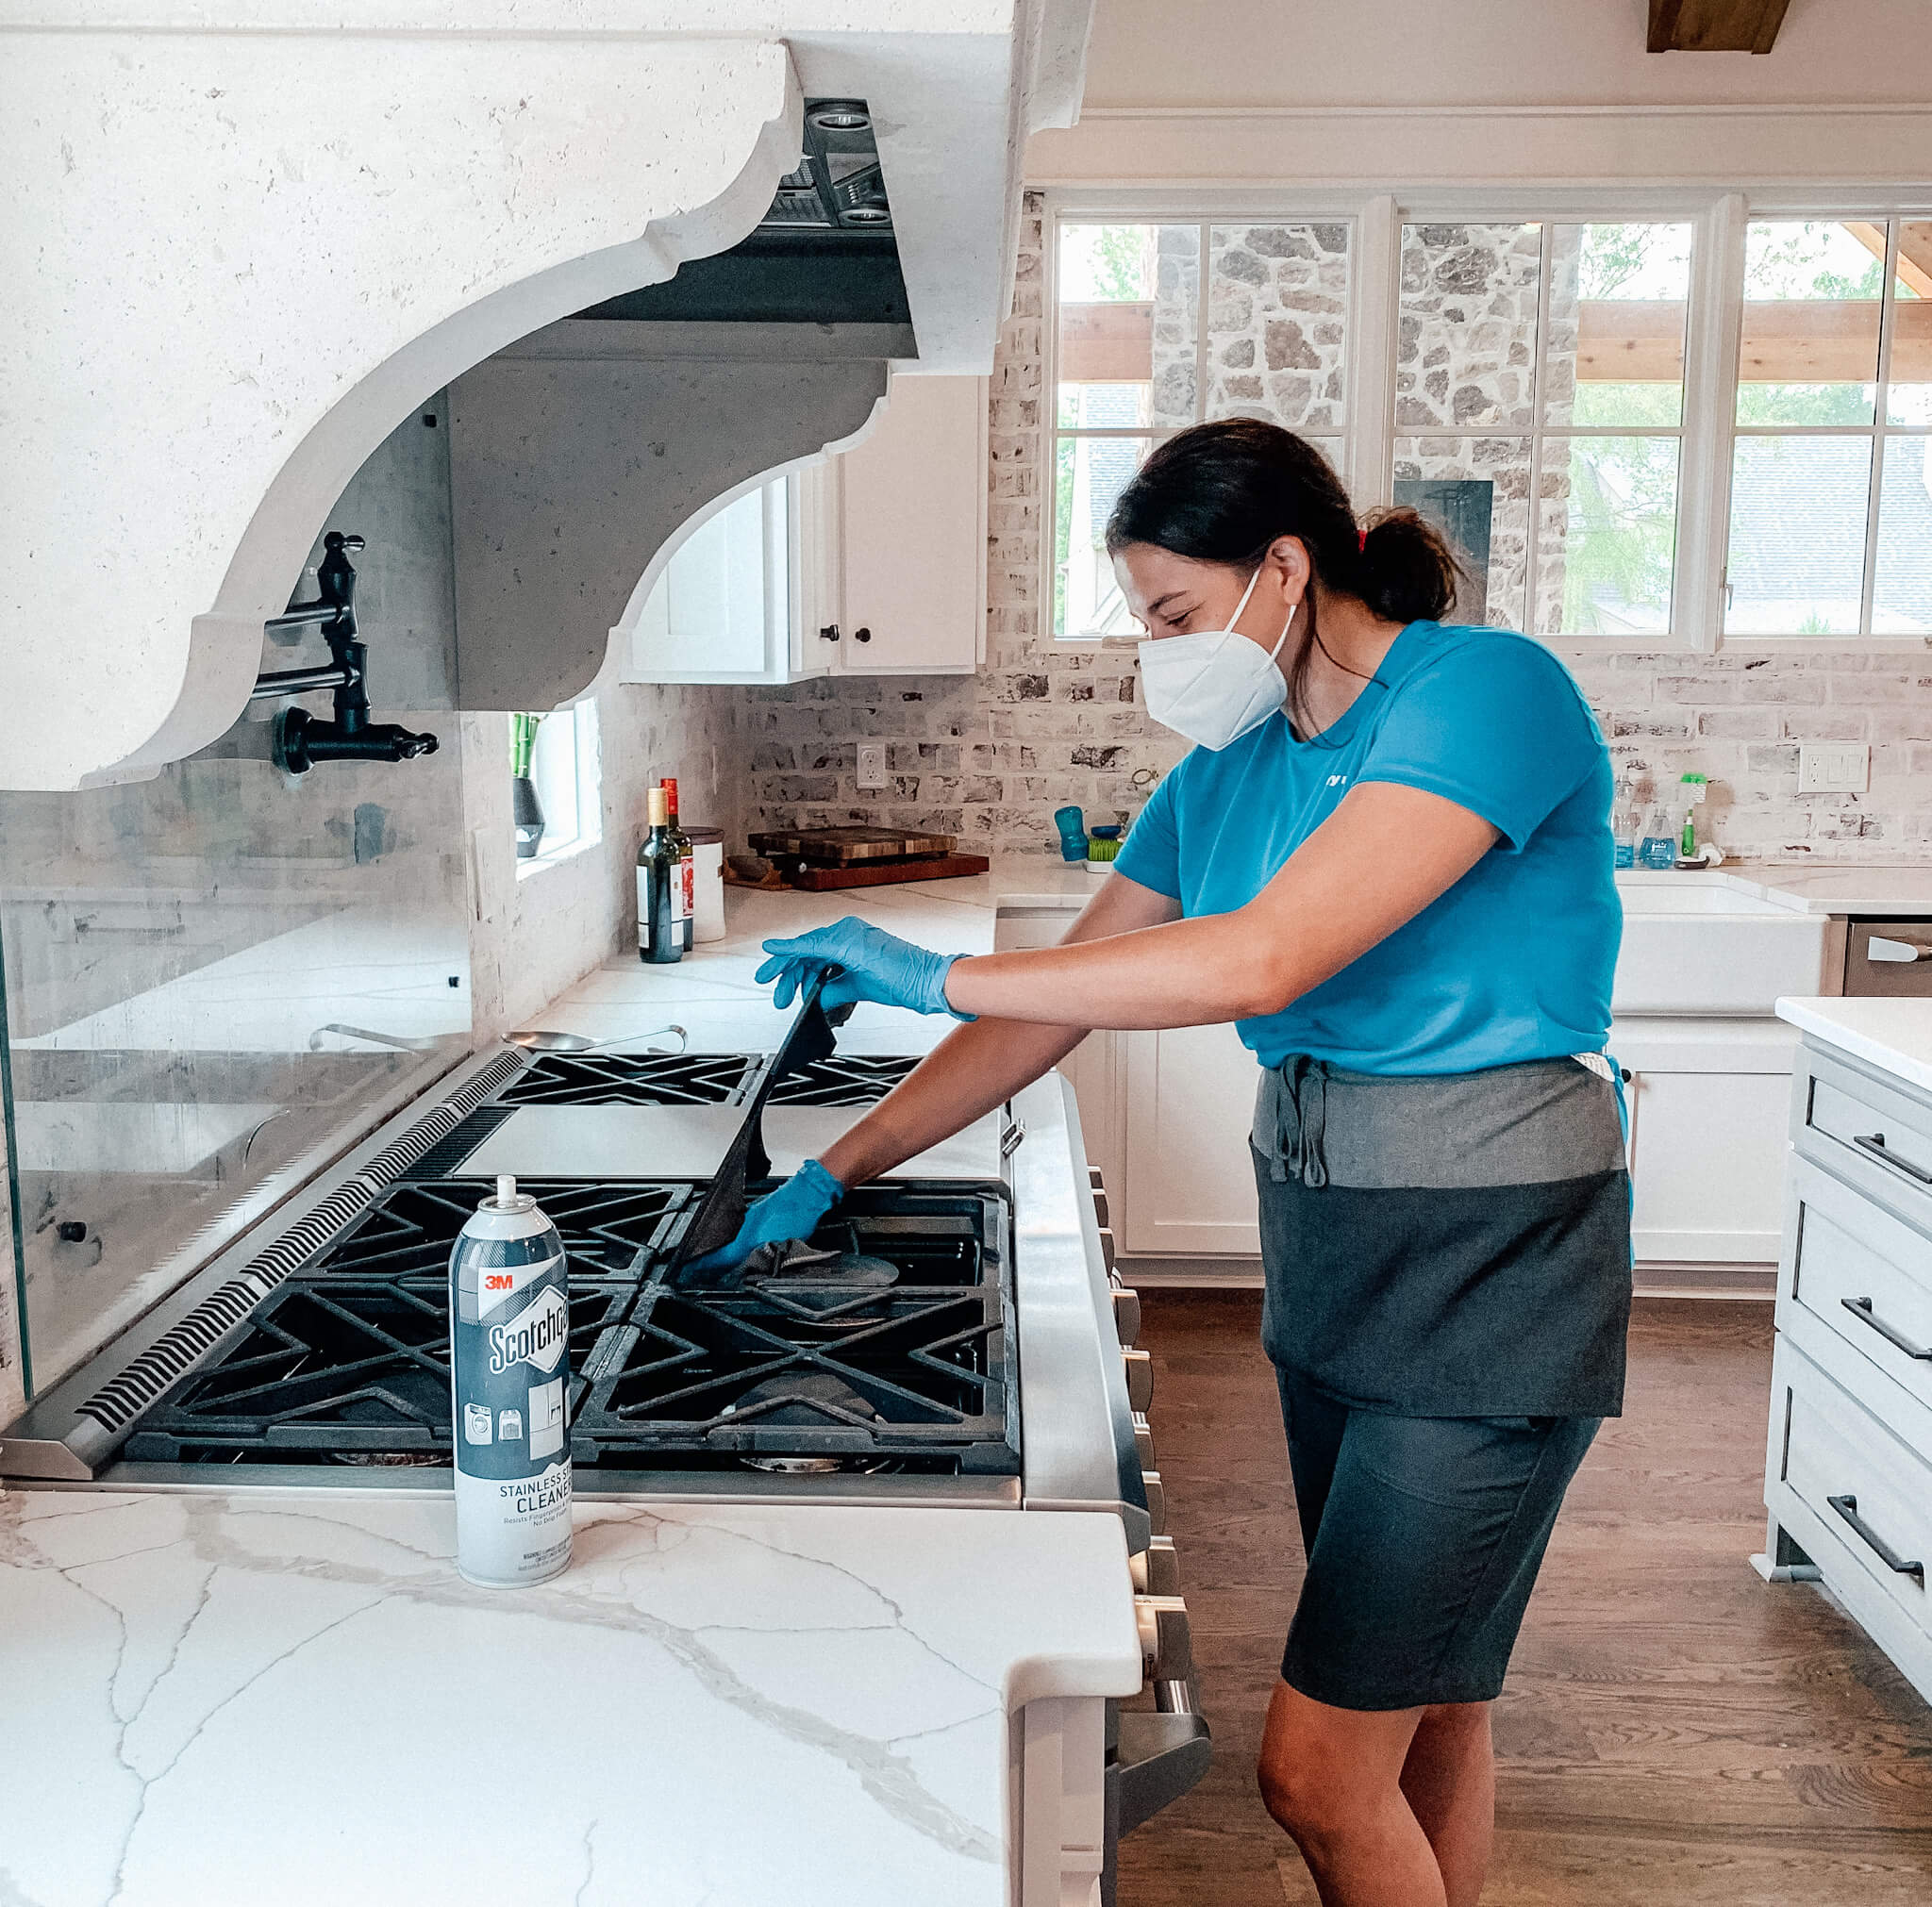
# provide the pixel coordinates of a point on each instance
(303, 739)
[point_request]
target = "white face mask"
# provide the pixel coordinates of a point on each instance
(1213, 685)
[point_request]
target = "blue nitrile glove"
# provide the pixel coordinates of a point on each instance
(873, 965)
(792, 1211)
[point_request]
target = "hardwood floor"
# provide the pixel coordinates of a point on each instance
(1675, 1730)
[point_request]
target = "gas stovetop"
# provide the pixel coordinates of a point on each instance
(885, 1348)
(699, 1079)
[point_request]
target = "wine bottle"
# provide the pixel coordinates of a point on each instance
(684, 898)
(661, 933)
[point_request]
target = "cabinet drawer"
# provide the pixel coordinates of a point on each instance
(1866, 1490)
(1863, 1274)
(1866, 1132)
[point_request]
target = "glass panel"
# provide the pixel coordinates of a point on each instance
(1465, 355)
(1089, 473)
(1909, 397)
(1619, 295)
(1277, 315)
(1810, 350)
(1478, 489)
(1129, 312)
(1901, 587)
(189, 958)
(1796, 562)
(1606, 536)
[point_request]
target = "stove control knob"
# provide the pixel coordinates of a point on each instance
(1156, 1502)
(1127, 1315)
(1144, 1443)
(1157, 1571)
(1140, 1366)
(1166, 1652)
(1106, 1247)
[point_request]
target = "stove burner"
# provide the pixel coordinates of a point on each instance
(815, 1397)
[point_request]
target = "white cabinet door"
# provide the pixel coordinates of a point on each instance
(912, 534)
(726, 607)
(1188, 1188)
(1708, 1164)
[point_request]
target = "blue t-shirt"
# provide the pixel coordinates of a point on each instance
(1514, 961)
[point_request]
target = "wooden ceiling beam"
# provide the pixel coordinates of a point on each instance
(1714, 25)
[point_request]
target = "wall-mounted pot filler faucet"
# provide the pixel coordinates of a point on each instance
(301, 738)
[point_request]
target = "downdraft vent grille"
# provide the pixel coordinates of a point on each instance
(123, 1397)
(445, 1159)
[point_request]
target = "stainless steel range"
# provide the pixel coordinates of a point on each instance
(953, 1334)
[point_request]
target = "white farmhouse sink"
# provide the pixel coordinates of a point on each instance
(1695, 943)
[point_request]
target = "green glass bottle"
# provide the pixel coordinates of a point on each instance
(660, 926)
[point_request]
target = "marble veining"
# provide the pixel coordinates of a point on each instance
(294, 1697)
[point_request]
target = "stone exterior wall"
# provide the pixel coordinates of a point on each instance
(990, 758)
(1277, 314)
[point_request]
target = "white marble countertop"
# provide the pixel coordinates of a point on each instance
(1904, 889)
(1895, 1035)
(710, 992)
(292, 1698)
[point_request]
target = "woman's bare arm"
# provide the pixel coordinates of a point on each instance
(980, 1066)
(1376, 862)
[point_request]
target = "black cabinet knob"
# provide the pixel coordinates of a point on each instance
(861, 635)
(829, 633)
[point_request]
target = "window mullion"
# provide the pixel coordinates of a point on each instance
(1369, 424)
(1201, 321)
(1875, 489)
(1532, 533)
(1710, 408)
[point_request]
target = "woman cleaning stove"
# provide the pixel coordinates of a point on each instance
(1386, 860)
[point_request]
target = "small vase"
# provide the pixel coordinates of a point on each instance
(528, 812)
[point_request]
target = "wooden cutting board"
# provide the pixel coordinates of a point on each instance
(879, 873)
(844, 847)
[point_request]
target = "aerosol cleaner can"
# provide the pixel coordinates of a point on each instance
(509, 1380)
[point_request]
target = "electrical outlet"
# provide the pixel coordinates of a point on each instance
(872, 765)
(1833, 766)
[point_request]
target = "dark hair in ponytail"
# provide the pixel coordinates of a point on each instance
(1222, 492)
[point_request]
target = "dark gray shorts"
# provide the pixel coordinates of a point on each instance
(1424, 1539)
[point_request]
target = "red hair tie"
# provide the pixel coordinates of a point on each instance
(1361, 540)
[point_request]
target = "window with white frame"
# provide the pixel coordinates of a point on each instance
(566, 768)
(1831, 513)
(1699, 422)
(1135, 362)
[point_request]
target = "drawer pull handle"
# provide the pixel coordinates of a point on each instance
(1847, 1507)
(1875, 1144)
(1860, 1308)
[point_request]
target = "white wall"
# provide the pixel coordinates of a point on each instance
(1411, 91)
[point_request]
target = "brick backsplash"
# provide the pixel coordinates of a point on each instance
(988, 758)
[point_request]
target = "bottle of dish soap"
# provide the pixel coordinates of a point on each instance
(1659, 844)
(1693, 786)
(1625, 824)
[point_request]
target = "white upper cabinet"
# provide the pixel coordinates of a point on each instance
(911, 510)
(871, 563)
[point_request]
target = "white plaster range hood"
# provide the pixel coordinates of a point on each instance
(245, 240)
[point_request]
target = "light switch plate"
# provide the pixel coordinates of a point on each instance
(1833, 766)
(872, 765)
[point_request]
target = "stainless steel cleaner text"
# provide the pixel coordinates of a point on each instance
(510, 1384)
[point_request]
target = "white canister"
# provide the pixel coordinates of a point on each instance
(708, 852)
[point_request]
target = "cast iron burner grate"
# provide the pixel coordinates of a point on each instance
(607, 1228)
(631, 1079)
(917, 1371)
(822, 1366)
(348, 1367)
(843, 1079)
